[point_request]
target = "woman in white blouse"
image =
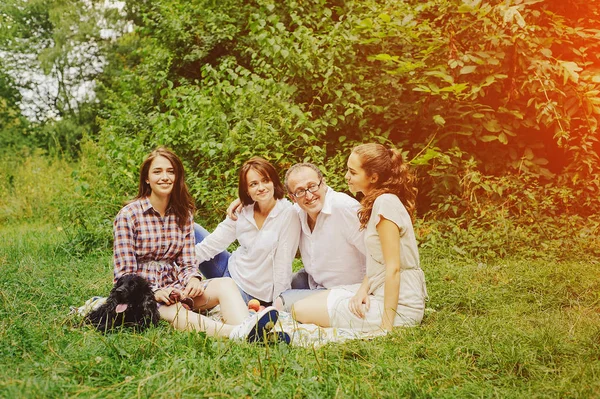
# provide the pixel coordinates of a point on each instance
(267, 230)
(393, 292)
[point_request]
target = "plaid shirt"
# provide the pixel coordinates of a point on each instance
(153, 246)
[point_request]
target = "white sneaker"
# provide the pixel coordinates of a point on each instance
(255, 327)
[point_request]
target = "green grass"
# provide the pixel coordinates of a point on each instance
(509, 329)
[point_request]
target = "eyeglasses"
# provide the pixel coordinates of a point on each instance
(310, 189)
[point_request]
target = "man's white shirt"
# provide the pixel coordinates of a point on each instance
(333, 253)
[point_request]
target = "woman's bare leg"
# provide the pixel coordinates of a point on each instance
(186, 320)
(223, 291)
(312, 309)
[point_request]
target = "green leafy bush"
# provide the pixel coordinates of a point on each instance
(495, 104)
(103, 181)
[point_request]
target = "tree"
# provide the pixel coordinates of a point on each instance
(14, 128)
(53, 50)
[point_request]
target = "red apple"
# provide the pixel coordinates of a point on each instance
(254, 304)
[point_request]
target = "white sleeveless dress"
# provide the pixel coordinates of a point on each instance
(412, 293)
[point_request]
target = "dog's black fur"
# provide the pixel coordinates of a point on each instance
(141, 310)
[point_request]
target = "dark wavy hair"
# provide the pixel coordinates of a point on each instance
(394, 177)
(265, 169)
(181, 202)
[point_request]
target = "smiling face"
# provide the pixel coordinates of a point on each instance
(356, 176)
(302, 179)
(260, 188)
(161, 177)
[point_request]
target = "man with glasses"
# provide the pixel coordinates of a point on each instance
(331, 243)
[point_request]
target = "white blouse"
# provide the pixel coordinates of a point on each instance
(262, 264)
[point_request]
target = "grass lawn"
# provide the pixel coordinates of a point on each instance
(509, 329)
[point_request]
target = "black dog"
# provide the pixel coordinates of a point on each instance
(130, 304)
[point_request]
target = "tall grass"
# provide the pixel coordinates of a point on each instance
(509, 329)
(31, 185)
(506, 328)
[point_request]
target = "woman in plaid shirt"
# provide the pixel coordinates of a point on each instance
(154, 237)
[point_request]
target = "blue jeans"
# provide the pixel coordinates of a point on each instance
(217, 266)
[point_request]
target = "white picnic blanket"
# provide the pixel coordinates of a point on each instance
(304, 335)
(311, 335)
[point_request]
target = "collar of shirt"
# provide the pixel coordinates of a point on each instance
(248, 211)
(147, 206)
(327, 205)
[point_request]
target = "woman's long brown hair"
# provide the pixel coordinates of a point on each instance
(394, 177)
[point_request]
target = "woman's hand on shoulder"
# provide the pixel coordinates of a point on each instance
(234, 208)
